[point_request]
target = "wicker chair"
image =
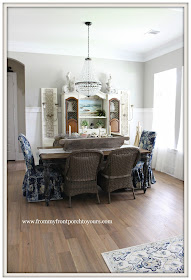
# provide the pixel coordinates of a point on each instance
(147, 142)
(81, 173)
(117, 173)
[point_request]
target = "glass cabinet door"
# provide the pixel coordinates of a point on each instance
(114, 114)
(72, 114)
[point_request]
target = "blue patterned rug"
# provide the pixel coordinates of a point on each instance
(166, 256)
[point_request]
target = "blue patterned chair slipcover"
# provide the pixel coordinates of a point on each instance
(33, 184)
(147, 142)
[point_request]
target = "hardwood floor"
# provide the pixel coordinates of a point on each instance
(156, 215)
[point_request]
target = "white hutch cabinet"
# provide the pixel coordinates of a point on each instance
(76, 108)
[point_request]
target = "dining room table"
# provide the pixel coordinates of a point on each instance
(56, 157)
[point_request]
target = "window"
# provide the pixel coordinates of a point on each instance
(164, 107)
(168, 122)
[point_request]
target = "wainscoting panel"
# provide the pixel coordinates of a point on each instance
(34, 128)
(138, 116)
(148, 118)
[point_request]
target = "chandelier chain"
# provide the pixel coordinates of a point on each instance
(88, 41)
(88, 57)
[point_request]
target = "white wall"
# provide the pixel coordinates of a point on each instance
(165, 62)
(47, 70)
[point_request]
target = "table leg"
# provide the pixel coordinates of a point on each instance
(47, 183)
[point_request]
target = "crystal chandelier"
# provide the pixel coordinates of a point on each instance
(87, 84)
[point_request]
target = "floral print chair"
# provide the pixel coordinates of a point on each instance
(147, 142)
(33, 184)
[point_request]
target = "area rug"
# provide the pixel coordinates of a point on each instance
(166, 256)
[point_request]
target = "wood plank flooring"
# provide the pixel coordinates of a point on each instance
(156, 215)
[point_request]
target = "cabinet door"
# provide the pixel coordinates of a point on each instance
(74, 125)
(114, 114)
(72, 114)
(114, 125)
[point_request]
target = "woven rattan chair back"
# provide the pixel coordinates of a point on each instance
(117, 173)
(83, 165)
(81, 173)
(120, 162)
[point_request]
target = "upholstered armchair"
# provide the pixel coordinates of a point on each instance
(147, 142)
(81, 173)
(117, 172)
(33, 184)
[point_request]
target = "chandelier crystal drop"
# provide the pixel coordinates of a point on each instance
(87, 84)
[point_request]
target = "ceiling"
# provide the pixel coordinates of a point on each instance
(117, 33)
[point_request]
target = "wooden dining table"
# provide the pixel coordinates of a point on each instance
(50, 156)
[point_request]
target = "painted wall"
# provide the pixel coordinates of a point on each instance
(46, 70)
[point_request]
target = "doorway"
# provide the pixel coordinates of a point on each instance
(15, 107)
(12, 129)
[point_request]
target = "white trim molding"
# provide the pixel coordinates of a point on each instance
(143, 110)
(37, 110)
(167, 48)
(138, 110)
(148, 110)
(33, 109)
(127, 56)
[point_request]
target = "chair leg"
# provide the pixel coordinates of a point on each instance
(98, 200)
(109, 197)
(133, 193)
(70, 202)
(149, 182)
